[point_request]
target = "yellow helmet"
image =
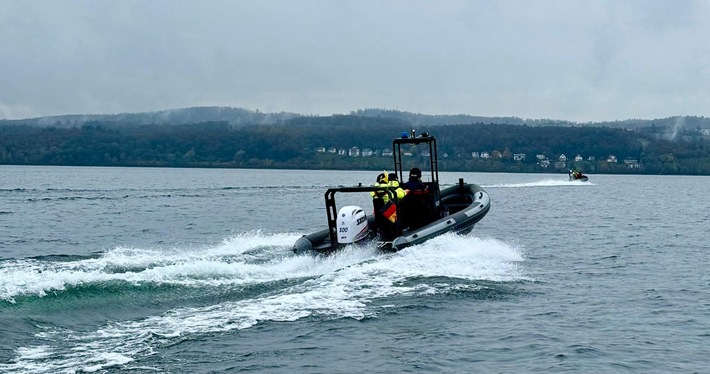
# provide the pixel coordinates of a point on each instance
(383, 177)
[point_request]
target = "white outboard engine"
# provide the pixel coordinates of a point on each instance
(352, 224)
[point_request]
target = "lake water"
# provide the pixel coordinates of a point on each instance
(148, 270)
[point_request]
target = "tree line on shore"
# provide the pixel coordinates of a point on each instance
(292, 143)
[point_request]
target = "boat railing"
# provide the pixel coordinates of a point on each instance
(331, 208)
(411, 139)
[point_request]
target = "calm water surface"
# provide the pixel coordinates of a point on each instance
(147, 270)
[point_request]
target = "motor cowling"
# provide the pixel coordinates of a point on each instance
(352, 224)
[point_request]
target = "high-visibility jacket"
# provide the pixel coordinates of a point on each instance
(387, 195)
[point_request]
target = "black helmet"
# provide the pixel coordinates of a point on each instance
(393, 177)
(415, 173)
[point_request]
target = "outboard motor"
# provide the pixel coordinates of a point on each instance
(352, 224)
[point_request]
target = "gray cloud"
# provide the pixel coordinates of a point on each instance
(577, 60)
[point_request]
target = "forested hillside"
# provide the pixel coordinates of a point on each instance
(325, 143)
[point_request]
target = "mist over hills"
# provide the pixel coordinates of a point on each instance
(241, 116)
(233, 116)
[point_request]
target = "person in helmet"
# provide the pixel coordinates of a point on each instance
(393, 181)
(382, 195)
(384, 203)
(388, 180)
(417, 208)
(414, 184)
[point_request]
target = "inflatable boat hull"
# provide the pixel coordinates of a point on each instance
(461, 207)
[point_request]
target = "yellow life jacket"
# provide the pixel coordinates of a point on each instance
(388, 195)
(399, 192)
(385, 195)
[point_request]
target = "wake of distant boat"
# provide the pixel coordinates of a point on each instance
(542, 183)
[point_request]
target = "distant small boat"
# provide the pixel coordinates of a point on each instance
(575, 175)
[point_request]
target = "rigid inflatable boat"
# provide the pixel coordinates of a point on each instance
(420, 217)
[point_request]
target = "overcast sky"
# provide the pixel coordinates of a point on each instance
(578, 60)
